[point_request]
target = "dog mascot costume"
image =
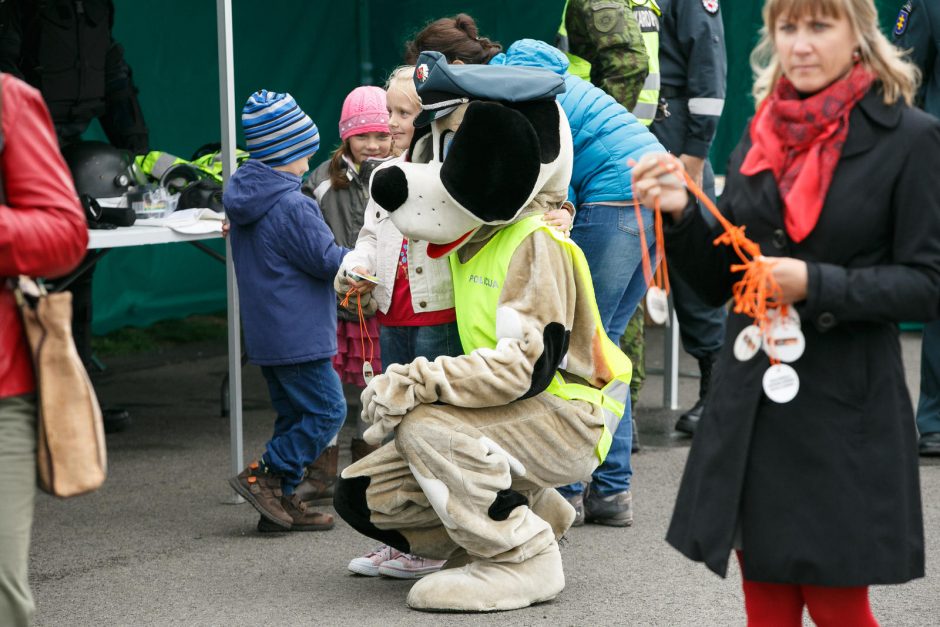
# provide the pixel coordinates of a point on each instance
(481, 440)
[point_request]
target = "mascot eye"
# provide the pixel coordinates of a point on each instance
(446, 140)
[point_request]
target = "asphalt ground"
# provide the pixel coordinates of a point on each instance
(161, 543)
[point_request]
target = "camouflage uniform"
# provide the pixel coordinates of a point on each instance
(605, 33)
(631, 343)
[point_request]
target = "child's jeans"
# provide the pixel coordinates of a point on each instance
(310, 406)
(402, 345)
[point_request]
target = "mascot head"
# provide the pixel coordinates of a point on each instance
(489, 140)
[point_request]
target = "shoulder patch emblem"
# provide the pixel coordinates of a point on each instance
(711, 6)
(904, 18)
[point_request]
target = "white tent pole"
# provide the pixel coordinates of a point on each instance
(227, 110)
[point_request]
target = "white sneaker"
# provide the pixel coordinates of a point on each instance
(408, 566)
(368, 564)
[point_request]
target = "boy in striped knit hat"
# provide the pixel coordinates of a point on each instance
(285, 260)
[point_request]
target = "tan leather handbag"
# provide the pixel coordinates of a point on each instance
(71, 456)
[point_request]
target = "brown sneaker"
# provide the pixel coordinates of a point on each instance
(263, 491)
(359, 448)
(320, 478)
(302, 518)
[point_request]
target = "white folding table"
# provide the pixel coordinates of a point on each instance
(122, 237)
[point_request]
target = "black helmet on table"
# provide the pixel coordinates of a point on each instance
(100, 170)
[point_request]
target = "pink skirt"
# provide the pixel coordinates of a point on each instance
(353, 349)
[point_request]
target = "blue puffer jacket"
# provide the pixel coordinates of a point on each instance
(285, 260)
(605, 134)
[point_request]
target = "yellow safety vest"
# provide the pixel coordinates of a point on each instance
(156, 163)
(477, 286)
(577, 66)
(647, 14)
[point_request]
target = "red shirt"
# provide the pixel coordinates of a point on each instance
(42, 225)
(401, 312)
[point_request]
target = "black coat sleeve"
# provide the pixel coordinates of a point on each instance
(918, 34)
(907, 288)
(702, 35)
(692, 252)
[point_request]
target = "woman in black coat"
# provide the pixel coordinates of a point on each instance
(836, 180)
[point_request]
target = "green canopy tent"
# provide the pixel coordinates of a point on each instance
(318, 52)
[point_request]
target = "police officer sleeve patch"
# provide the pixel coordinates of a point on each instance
(606, 16)
(711, 6)
(904, 18)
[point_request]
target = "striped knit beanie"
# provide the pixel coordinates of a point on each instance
(277, 131)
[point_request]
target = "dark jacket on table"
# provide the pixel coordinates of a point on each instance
(285, 260)
(824, 489)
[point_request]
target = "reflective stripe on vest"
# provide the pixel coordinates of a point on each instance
(647, 14)
(155, 163)
(211, 163)
(477, 287)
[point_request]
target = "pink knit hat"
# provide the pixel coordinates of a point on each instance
(364, 111)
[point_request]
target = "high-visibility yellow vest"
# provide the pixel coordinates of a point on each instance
(577, 66)
(156, 163)
(647, 14)
(477, 286)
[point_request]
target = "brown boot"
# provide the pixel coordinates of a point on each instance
(302, 518)
(360, 448)
(263, 490)
(320, 477)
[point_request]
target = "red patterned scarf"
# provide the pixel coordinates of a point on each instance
(800, 141)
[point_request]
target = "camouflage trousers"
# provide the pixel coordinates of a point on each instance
(631, 343)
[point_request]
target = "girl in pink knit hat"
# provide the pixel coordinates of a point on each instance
(341, 188)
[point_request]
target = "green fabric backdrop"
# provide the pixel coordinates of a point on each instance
(307, 48)
(311, 49)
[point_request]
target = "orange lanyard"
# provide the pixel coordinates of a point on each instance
(755, 294)
(363, 331)
(661, 280)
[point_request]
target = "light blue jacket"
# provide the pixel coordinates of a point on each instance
(605, 134)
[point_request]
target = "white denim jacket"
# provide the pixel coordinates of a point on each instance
(378, 248)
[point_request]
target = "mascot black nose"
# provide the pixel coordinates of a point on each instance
(390, 188)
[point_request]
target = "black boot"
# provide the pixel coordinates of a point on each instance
(688, 421)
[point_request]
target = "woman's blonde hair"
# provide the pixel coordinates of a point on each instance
(899, 77)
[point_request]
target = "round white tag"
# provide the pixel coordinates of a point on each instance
(781, 383)
(774, 314)
(367, 372)
(785, 341)
(657, 305)
(747, 343)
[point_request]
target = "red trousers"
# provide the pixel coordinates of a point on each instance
(781, 605)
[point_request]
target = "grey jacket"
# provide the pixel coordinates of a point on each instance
(343, 209)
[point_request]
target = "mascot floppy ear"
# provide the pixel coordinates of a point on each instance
(493, 163)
